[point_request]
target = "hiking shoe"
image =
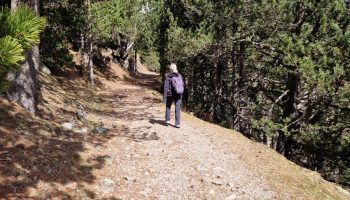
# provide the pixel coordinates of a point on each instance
(167, 122)
(177, 126)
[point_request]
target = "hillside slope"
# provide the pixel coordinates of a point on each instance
(119, 148)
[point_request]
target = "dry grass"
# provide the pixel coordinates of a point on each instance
(289, 180)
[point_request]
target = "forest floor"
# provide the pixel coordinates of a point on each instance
(121, 149)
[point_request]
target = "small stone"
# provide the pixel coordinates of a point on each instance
(32, 193)
(169, 142)
(70, 185)
(218, 183)
(109, 160)
(107, 185)
(231, 197)
(44, 133)
(67, 126)
(84, 130)
(100, 129)
(127, 178)
(201, 168)
(212, 192)
(45, 70)
(26, 133)
(107, 182)
(218, 169)
(147, 192)
(80, 113)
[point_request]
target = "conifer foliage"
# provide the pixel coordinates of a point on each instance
(277, 71)
(20, 30)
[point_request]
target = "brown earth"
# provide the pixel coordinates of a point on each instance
(138, 157)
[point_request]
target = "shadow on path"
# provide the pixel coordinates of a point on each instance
(35, 151)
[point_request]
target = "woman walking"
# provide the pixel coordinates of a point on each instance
(173, 90)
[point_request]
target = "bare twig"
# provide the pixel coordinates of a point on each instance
(278, 100)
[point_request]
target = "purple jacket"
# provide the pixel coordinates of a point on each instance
(168, 89)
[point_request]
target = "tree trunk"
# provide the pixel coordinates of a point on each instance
(135, 62)
(14, 4)
(237, 85)
(163, 41)
(284, 142)
(234, 87)
(91, 65)
(23, 84)
(89, 44)
(82, 55)
(220, 68)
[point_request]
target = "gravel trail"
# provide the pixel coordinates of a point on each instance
(149, 160)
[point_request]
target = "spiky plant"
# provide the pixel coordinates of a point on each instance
(19, 31)
(24, 25)
(10, 53)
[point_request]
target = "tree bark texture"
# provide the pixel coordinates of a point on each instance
(289, 110)
(91, 65)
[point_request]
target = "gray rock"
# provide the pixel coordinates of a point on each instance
(68, 126)
(45, 70)
(107, 182)
(100, 129)
(107, 185)
(80, 113)
(83, 130)
(50, 171)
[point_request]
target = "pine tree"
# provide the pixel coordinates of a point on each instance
(277, 71)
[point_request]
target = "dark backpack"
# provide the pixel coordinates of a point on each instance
(178, 84)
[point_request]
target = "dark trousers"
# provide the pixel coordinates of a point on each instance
(169, 102)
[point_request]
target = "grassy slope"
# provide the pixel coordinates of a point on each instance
(287, 179)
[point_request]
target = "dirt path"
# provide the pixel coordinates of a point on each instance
(139, 157)
(149, 160)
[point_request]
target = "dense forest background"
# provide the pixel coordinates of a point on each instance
(278, 71)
